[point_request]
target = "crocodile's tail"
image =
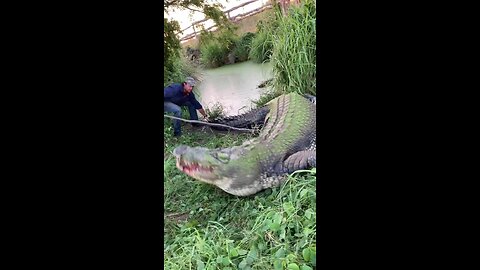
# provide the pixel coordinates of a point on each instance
(251, 119)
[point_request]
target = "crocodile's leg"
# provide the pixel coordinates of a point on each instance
(272, 181)
(247, 120)
(312, 99)
(300, 160)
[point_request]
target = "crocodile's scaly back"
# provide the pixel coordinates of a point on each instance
(292, 120)
(283, 134)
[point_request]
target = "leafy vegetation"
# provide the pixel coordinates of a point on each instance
(224, 47)
(171, 49)
(294, 50)
(172, 65)
(266, 97)
(179, 69)
(213, 54)
(242, 47)
(215, 111)
(293, 54)
(215, 48)
(262, 44)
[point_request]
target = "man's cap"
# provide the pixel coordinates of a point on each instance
(190, 81)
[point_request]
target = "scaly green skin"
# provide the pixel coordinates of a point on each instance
(252, 119)
(286, 143)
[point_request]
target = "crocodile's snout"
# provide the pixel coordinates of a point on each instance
(180, 150)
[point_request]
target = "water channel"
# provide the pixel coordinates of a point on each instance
(233, 86)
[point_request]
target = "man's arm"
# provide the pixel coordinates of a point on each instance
(202, 111)
(197, 105)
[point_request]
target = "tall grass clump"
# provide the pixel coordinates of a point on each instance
(215, 111)
(262, 44)
(213, 54)
(215, 48)
(294, 50)
(266, 97)
(261, 49)
(242, 47)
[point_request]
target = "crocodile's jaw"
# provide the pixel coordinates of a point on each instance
(196, 170)
(207, 165)
(213, 167)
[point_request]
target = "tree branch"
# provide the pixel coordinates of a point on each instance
(168, 3)
(193, 9)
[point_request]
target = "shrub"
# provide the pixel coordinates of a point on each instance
(213, 54)
(215, 111)
(262, 44)
(215, 48)
(178, 71)
(266, 97)
(242, 47)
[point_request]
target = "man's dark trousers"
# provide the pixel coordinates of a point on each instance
(177, 112)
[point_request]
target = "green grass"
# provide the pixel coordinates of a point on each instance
(215, 48)
(181, 69)
(266, 97)
(261, 47)
(213, 54)
(215, 111)
(294, 51)
(289, 43)
(242, 47)
(206, 228)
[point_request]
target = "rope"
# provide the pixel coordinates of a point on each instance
(208, 124)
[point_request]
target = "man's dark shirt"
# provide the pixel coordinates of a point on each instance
(174, 93)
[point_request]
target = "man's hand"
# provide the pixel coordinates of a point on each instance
(202, 112)
(204, 118)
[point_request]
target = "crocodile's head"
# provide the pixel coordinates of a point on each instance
(213, 166)
(201, 163)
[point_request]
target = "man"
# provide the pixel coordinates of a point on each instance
(178, 95)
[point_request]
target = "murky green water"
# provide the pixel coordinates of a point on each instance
(234, 86)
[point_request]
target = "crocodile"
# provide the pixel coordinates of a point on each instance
(286, 143)
(253, 119)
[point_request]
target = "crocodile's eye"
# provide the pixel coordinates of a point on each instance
(223, 157)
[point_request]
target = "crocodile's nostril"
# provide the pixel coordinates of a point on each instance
(180, 150)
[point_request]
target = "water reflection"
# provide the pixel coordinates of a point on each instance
(234, 86)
